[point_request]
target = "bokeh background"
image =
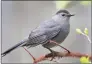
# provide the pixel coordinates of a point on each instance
(20, 17)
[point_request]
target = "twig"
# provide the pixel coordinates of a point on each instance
(87, 37)
(29, 54)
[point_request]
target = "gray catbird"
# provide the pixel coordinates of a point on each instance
(56, 29)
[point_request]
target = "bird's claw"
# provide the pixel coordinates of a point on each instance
(53, 55)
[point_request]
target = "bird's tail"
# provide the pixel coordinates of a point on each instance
(14, 47)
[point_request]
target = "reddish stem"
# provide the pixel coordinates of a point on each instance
(30, 54)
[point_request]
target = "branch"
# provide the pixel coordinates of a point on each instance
(58, 55)
(62, 54)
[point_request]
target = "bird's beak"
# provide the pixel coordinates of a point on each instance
(69, 15)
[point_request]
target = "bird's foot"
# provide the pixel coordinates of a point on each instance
(53, 53)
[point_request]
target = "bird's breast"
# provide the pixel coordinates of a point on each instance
(60, 37)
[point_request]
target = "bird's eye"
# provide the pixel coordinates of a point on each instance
(63, 14)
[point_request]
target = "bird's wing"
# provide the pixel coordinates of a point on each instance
(43, 34)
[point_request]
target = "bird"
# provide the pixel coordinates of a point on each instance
(55, 29)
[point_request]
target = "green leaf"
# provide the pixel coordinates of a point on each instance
(86, 31)
(78, 31)
(84, 60)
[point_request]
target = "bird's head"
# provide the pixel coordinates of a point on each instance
(64, 13)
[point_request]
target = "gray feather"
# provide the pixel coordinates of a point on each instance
(14, 47)
(43, 33)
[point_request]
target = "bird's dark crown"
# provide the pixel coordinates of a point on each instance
(63, 11)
